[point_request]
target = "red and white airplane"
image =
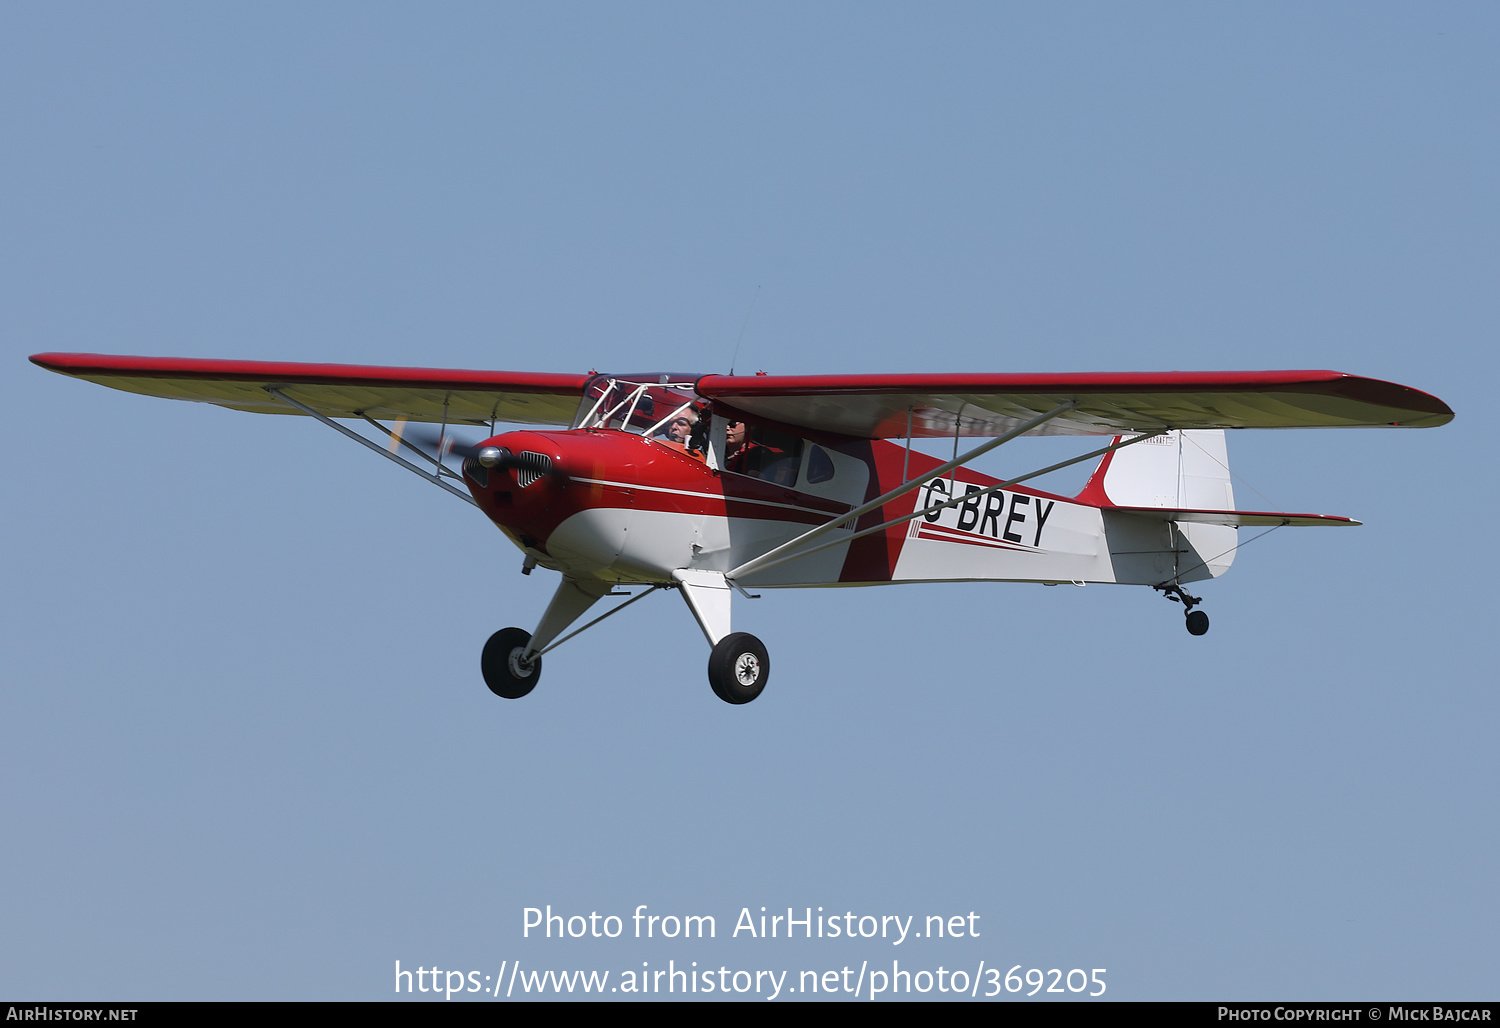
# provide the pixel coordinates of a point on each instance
(716, 484)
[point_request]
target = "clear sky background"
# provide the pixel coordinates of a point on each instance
(247, 753)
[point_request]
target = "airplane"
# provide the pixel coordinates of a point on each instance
(714, 485)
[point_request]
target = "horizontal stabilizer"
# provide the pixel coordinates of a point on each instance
(1234, 518)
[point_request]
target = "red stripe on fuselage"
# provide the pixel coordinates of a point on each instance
(942, 533)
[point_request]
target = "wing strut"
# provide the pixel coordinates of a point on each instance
(766, 558)
(954, 502)
(397, 440)
(408, 465)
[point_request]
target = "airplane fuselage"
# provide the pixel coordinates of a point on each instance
(617, 506)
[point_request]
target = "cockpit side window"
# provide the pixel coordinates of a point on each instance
(764, 454)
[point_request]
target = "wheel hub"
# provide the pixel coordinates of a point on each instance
(518, 667)
(747, 668)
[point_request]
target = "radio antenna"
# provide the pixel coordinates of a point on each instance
(741, 339)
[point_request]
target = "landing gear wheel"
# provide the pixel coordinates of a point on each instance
(738, 668)
(1197, 621)
(504, 672)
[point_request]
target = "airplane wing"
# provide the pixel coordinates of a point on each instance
(878, 406)
(337, 390)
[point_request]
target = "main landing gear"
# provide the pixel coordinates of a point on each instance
(738, 668)
(505, 672)
(1197, 621)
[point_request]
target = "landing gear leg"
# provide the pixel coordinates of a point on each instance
(512, 659)
(738, 667)
(1197, 621)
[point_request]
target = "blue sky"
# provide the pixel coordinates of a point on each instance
(247, 753)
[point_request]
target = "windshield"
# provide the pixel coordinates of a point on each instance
(659, 406)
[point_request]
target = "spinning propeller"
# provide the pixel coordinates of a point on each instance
(442, 444)
(529, 466)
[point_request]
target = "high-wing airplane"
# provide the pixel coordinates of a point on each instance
(714, 485)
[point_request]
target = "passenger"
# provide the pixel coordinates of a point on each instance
(749, 456)
(736, 448)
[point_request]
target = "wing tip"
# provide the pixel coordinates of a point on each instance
(50, 361)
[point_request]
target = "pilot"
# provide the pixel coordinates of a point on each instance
(682, 432)
(679, 429)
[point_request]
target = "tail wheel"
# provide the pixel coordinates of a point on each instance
(506, 674)
(738, 668)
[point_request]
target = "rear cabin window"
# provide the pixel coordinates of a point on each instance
(819, 466)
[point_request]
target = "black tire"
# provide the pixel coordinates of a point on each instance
(501, 666)
(1197, 622)
(738, 668)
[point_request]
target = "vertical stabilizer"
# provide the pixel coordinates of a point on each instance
(1183, 470)
(1176, 471)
